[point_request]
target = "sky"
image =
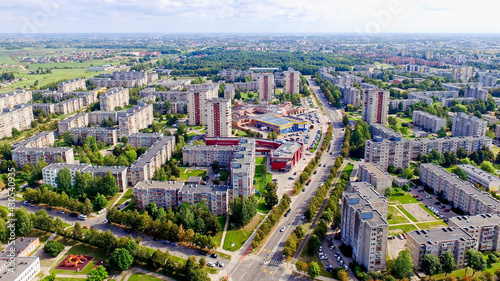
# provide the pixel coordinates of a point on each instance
(249, 16)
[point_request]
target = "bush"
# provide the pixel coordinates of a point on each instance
(53, 248)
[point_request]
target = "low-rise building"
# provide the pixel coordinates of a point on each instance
(375, 176)
(479, 177)
(438, 241)
(21, 247)
(26, 269)
(383, 132)
(485, 228)
(403, 104)
(285, 157)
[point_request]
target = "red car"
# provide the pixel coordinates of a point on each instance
(415, 196)
(404, 236)
(446, 210)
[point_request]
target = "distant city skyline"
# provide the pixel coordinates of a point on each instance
(246, 16)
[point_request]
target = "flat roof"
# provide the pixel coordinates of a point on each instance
(372, 169)
(26, 141)
(20, 244)
(366, 191)
(196, 188)
(144, 185)
(471, 169)
(273, 120)
(434, 236)
(152, 151)
(21, 265)
(476, 221)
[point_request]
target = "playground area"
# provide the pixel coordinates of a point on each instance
(74, 262)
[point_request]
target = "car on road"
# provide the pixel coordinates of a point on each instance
(211, 264)
(26, 202)
(315, 172)
(346, 267)
(282, 229)
(335, 254)
(303, 189)
(213, 256)
(165, 242)
(173, 244)
(290, 178)
(427, 197)
(203, 253)
(332, 247)
(61, 212)
(446, 210)
(86, 227)
(83, 217)
(73, 215)
(295, 173)
(322, 256)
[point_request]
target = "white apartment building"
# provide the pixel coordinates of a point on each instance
(218, 117)
(476, 92)
(162, 193)
(18, 117)
(76, 121)
(388, 152)
(15, 98)
(428, 121)
(132, 120)
(144, 139)
(107, 135)
(23, 155)
(479, 177)
(375, 176)
(266, 87)
(72, 85)
(375, 106)
(42, 139)
(243, 169)
(466, 125)
(197, 105)
(485, 228)
(206, 155)
(116, 97)
(26, 269)
(352, 95)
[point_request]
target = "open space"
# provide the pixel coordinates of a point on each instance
(418, 213)
(189, 172)
(85, 250)
(240, 235)
(395, 217)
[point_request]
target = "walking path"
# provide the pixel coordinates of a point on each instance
(410, 221)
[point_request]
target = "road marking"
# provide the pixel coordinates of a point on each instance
(271, 273)
(265, 270)
(269, 251)
(263, 250)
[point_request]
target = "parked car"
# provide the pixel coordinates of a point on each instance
(61, 212)
(332, 248)
(214, 256)
(404, 236)
(321, 248)
(290, 178)
(303, 189)
(446, 210)
(219, 264)
(315, 172)
(165, 241)
(211, 264)
(335, 254)
(174, 244)
(346, 267)
(437, 203)
(86, 227)
(82, 217)
(203, 253)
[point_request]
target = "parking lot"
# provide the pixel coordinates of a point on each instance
(330, 255)
(442, 211)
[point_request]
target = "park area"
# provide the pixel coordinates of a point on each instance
(74, 262)
(236, 237)
(186, 173)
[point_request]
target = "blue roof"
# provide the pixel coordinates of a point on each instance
(275, 120)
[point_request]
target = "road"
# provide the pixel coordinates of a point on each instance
(268, 263)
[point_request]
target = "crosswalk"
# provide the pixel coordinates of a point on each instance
(273, 262)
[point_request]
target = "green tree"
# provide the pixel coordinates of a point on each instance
(408, 173)
(53, 248)
(345, 120)
(271, 194)
(313, 269)
(23, 223)
(431, 265)
(100, 202)
(460, 173)
(63, 179)
(488, 167)
(87, 207)
(402, 266)
(475, 260)
(392, 121)
(448, 263)
(125, 140)
(243, 209)
(15, 133)
(441, 133)
(272, 135)
(121, 259)
(109, 184)
(51, 277)
(98, 274)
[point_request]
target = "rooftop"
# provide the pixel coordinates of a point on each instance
(471, 169)
(192, 188)
(275, 120)
(366, 191)
(152, 151)
(144, 185)
(439, 235)
(374, 170)
(21, 265)
(20, 244)
(476, 221)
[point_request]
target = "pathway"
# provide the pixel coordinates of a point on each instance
(410, 221)
(220, 249)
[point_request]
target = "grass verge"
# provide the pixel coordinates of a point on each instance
(239, 236)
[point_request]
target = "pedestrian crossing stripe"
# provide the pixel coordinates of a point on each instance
(272, 262)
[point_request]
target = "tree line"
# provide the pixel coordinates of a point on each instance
(272, 218)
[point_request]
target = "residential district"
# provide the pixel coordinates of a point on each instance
(327, 158)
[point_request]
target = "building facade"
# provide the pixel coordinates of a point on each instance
(19, 117)
(481, 178)
(485, 228)
(394, 152)
(375, 106)
(218, 117)
(72, 85)
(466, 125)
(375, 176)
(266, 87)
(292, 81)
(116, 97)
(428, 121)
(23, 155)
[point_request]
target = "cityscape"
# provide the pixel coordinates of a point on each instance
(249, 141)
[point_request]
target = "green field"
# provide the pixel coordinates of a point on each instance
(395, 217)
(396, 229)
(188, 172)
(142, 277)
(432, 224)
(129, 194)
(348, 169)
(260, 160)
(240, 235)
(217, 238)
(402, 209)
(402, 197)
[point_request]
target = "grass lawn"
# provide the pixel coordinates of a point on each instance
(240, 133)
(260, 160)
(128, 195)
(142, 277)
(348, 169)
(261, 205)
(188, 172)
(396, 229)
(240, 235)
(217, 238)
(42, 235)
(5, 209)
(81, 249)
(69, 279)
(402, 197)
(428, 211)
(395, 217)
(461, 272)
(260, 181)
(402, 209)
(112, 200)
(432, 224)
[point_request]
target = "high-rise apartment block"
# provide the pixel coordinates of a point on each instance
(428, 121)
(266, 87)
(42, 139)
(76, 121)
(206, 155)
(132, 120)
(15, 98)
(162, 193)
(72, 85)
(197, 99)
(375, 176)
(292, 79)
(375, 106)
(352, 95)
(462, 74)
(68, 106)
(364, 226)
(485, 228)
(466, 125)
(462, 195)
(438, 241)
(117, 97)
(18, 117)
(218, 116)
(243, 168)
(394, 152)
(106, 135)
(23, 155)
(144, 139)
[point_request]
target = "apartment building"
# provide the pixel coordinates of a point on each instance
(364, 226)
(247, 86)
(266, 87)
(438, 241)
(98, 117)
(292, 81)
(107, 135)
(15, 98)
(451, 144)
(420, 97)
(132, 120)
(42, 139)
(215, 197)
(485, 228)
(116, 97)
(467, 125)
(197, 102)
(428, 121)
(145, 166)
(375, 106)
(72, 85)
(488, 80)
(23, 155)
(162, 193)
(476, 92)
(383, 132)
(452, 101)
(22, 247)
(50, 172)
(388, 152)
(462, 195)
(351, 95)
(218, 117)
(234, 75)
(68, 106)
(436, 94)
(18, 117)
(144, 139)
(205, 156)
(405, 104)
(229, 91)
(375, 176)
(243, 168)
(462, 73)
(49, 108)
(128, 79)
(76, 121)
(481, 178)
(178, 100)
(88, 98)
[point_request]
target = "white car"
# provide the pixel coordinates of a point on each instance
(211, 264)
(282, 229)
(82, 217)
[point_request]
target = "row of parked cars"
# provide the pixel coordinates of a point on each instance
(323, 256)
(213, 256)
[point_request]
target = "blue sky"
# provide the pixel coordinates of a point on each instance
(248, 16)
